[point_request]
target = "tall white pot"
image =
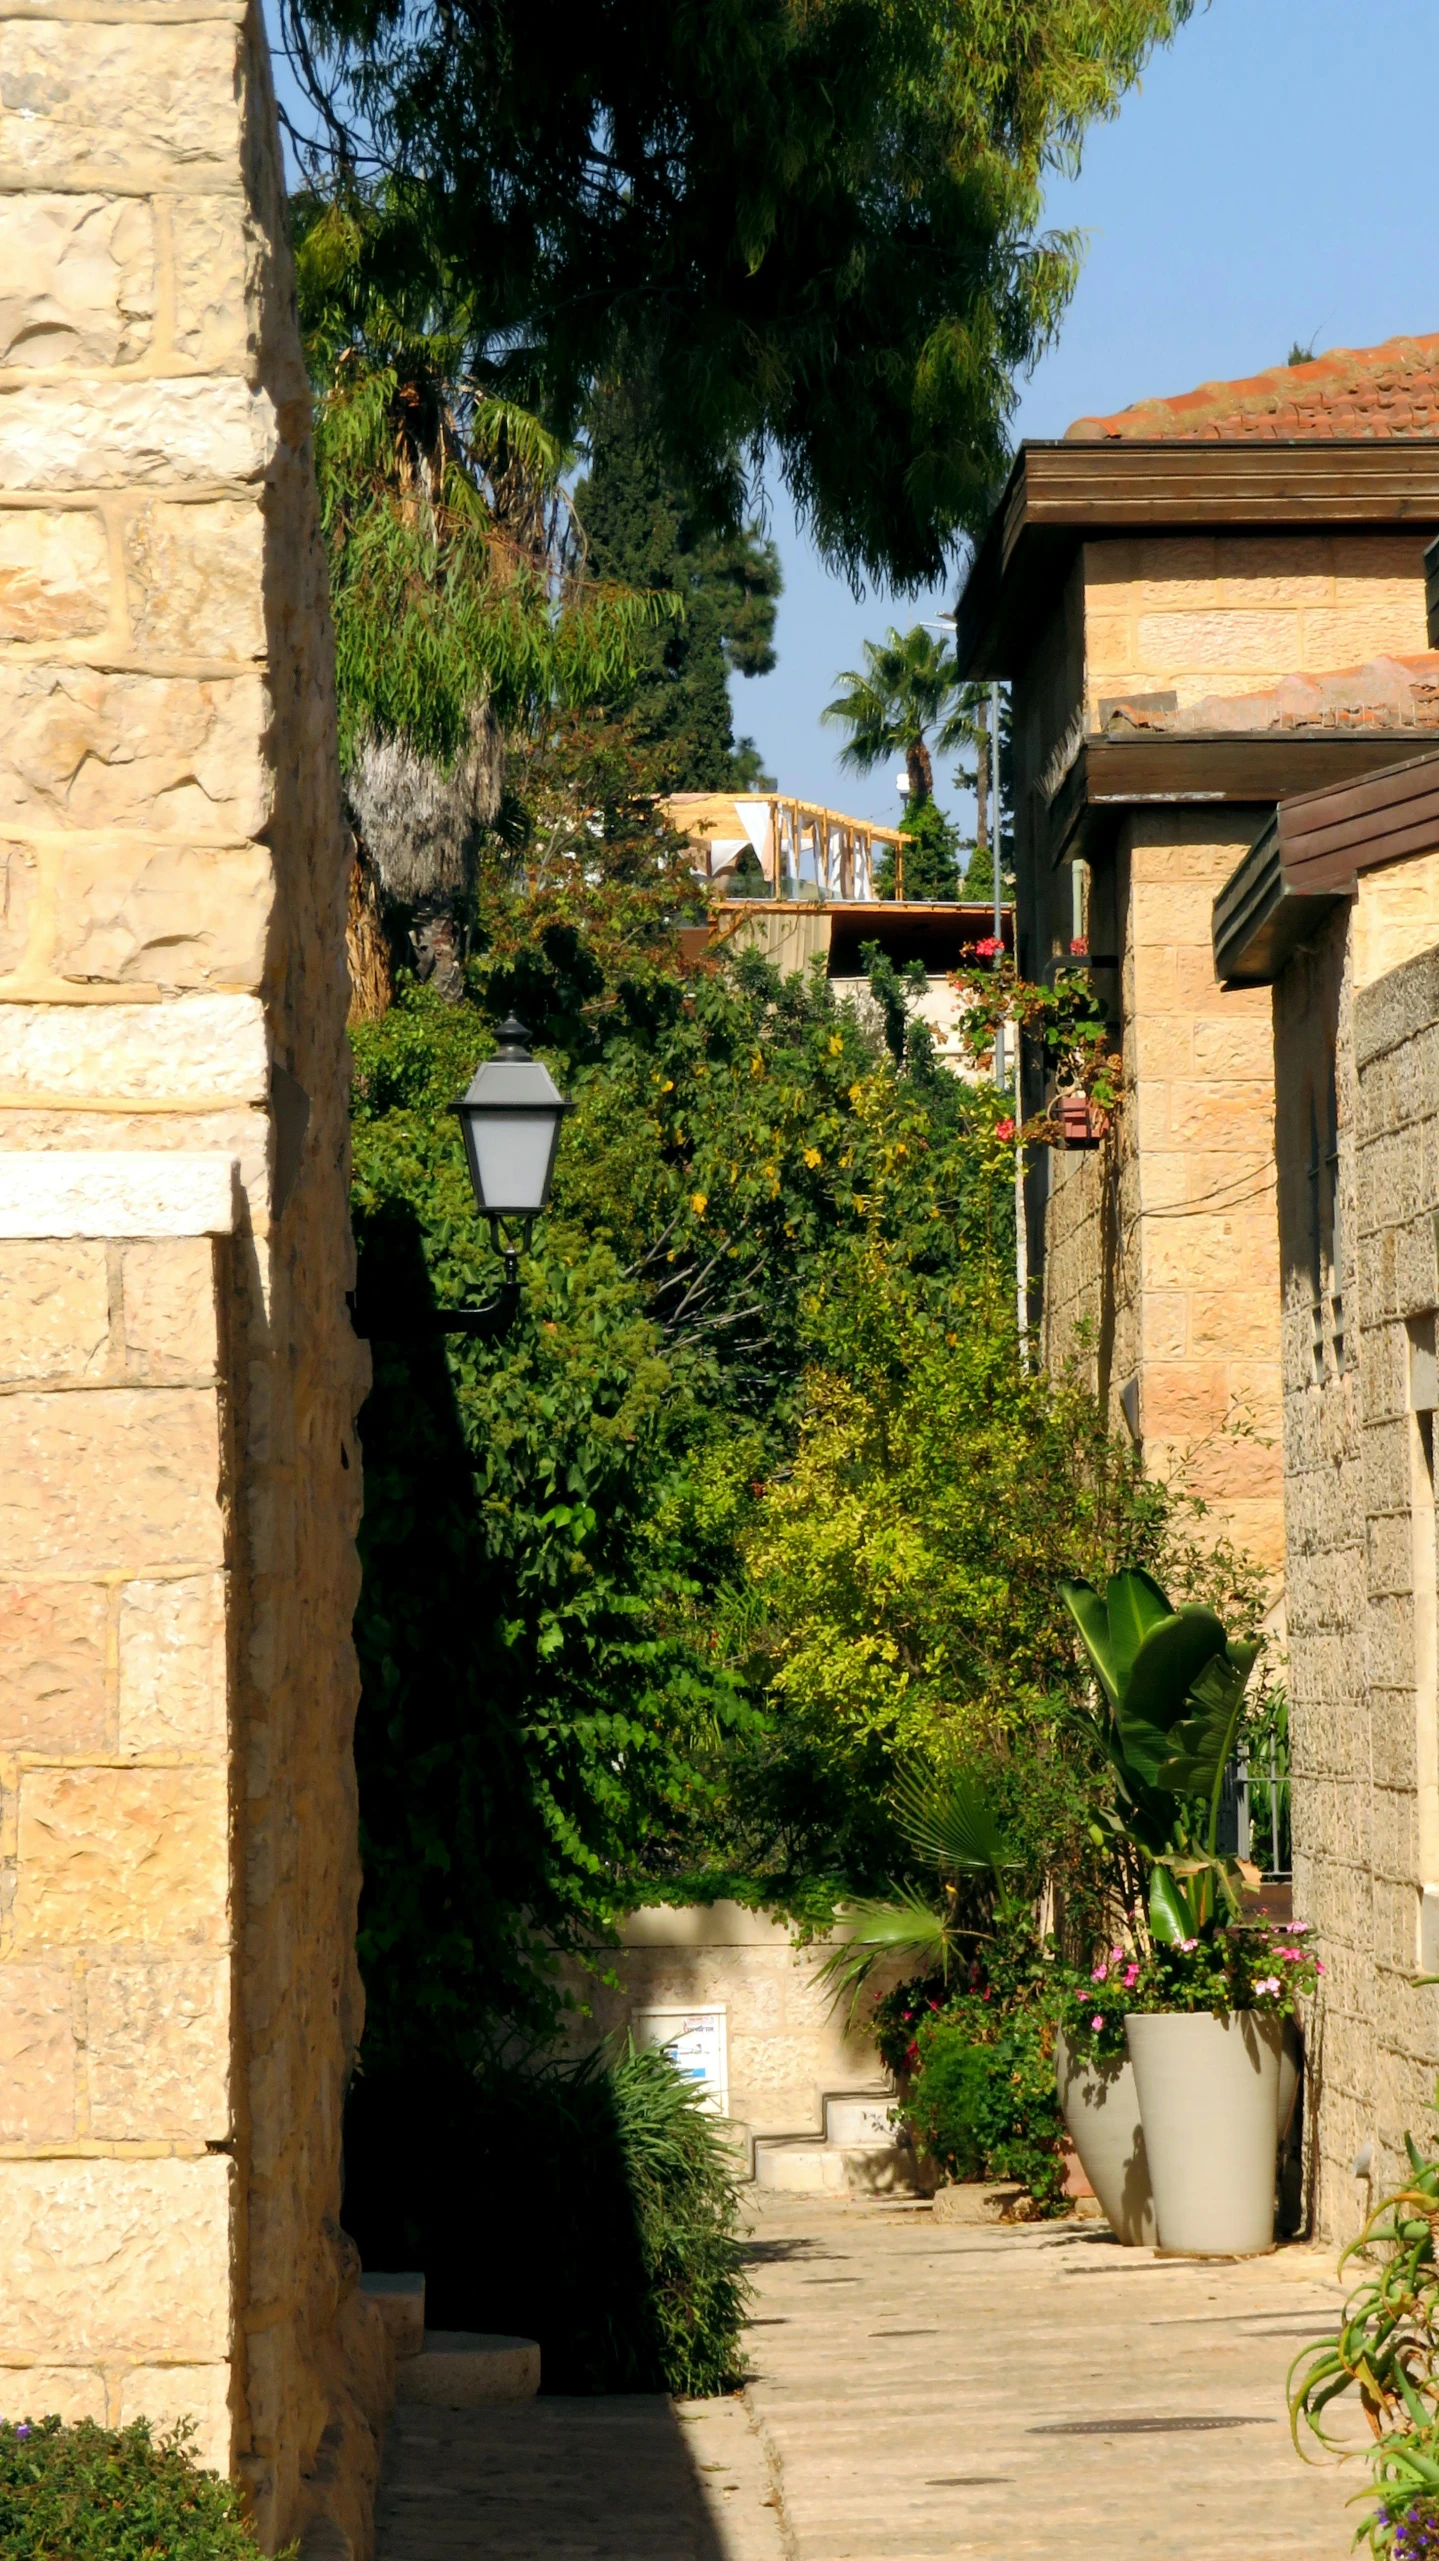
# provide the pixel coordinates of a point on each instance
(1100, 2106)
(1209, 2100)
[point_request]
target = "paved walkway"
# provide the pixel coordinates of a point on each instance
(920, 2392)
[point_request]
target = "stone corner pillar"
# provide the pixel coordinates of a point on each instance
(179, 1477)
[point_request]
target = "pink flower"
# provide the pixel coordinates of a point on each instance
(1004, 1129)
(1096, 2024)
(1319, 1966)
(1131, 1977)
(1100, 1974)
(1268, 1983)
(1116, 1956)
(1297, 1927)
(1292, 1955)
(1189, 1945)
(988, 946)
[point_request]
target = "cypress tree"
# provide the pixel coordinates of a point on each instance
(642, 536)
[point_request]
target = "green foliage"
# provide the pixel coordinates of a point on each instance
(1386, 2353)
(1063, 1017)
(453, 560)
(906, 694)
(982, 2102)
(642, 537)
(930, 855)
(557, 1704)
(86, 2493)
(948, 1825)
(1172, 1685)
(630, 2276)
(815, 230)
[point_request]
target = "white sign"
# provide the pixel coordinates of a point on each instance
(694, 2040)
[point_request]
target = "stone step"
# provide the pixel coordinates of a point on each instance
(858, 2116)
(804, 2164)
(463, 2369)
(400, 2301)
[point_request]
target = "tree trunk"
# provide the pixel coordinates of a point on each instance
(921, 773)
(367, 947)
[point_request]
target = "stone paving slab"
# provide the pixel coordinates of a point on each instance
(919, 2392)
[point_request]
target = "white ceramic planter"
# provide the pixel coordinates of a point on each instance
(1100, 2106)
(1209, 2100)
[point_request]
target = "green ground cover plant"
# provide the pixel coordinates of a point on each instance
(626, 2266)
(87, 2493)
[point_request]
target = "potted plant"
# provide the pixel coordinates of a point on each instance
(1205, 2029)
(1098, 2095)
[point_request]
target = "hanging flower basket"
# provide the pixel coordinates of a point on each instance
(1078, 1122)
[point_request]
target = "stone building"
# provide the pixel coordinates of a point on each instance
(1203, 605)
(179, 1478)
(1336, 908)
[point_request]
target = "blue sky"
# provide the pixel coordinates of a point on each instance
(1273, 179)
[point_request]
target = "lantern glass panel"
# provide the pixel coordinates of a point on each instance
(510, 1155)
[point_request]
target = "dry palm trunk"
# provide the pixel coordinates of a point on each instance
(367, 945)
(419, 829)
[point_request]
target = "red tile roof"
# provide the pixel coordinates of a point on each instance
(1391, 390)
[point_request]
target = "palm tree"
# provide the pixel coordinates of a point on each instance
(947, 1824)
(908, 690)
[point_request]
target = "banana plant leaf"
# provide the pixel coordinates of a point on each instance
(1136, 1607)
(1201, 1744)
(1165, 1670)
(1114, 1628)
(950, 1821)
(1171, 1918)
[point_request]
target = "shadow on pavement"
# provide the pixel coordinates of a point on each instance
(608, 2479)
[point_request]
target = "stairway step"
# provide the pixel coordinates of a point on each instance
(463, 2369)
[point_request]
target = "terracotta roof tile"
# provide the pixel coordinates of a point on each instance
(1365, 391)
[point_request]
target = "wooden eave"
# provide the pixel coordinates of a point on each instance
(1060, 494)
(1110, 775)
(1307, 862)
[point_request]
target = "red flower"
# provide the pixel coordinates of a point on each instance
(986, 949)
(1079, 947)
(1004, 1129)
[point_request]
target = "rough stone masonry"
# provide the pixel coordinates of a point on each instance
(179, 1481)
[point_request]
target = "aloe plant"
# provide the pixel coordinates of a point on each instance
(949, 1824)
(1172, 1682)
(1386, 2352)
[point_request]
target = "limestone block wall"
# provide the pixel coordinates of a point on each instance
(1163, 1245)
(1357, 1145)
(1228, 615)
(788, 2042)
(179, 1479)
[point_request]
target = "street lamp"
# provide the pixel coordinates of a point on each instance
(510, 1122)
(510, 1119)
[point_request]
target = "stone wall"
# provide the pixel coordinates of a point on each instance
(1162, 1245)
(789, 2041)
(1228, 616)
(179, 1478)
(1357, 1146)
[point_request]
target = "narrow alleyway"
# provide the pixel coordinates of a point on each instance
(920, 2392)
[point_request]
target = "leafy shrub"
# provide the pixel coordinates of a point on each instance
(624, 2263)
(87, 2493)
(982, 2102)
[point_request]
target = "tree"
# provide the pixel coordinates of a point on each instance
(641, 536)
(906, 693)
(462, 612)
(809, 230)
